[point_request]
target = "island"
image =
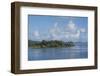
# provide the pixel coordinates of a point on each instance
(50, 44)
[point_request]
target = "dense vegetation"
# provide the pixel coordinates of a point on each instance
(49, 44)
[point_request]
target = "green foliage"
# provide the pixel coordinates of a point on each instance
(49, 44)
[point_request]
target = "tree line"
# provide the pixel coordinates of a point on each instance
(49, 44)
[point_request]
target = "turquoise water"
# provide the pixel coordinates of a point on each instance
(57, 53)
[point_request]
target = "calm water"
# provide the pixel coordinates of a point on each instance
(57, 53)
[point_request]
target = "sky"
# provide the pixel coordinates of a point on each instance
(65, 28)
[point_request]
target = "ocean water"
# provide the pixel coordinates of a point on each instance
(58, 53)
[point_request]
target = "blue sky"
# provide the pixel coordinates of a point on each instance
(66, 28)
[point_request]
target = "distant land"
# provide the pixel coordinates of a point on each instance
(50, 44)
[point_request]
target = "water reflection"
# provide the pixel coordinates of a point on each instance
(57, 53)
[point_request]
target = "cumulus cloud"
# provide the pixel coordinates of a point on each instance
(69, 33)
(36, 33)
(55, 32)
(71, 26)
(82, 30)
(55, 29)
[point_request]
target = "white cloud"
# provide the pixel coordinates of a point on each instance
(76, 35)
(82, 30)
(70, 33)
(55, 32)
(36, 33)
(71, 26)
(55, 29)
